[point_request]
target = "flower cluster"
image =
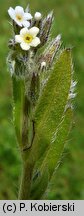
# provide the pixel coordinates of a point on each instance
(27, 36)
(30, 34)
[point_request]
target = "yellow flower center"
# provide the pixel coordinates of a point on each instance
(19, 17)
(28, 38)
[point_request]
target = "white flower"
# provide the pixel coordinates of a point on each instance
(27, 38)
(19, 16)
(43, 65)
(37, 16)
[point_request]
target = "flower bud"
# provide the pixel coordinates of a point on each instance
(46, 27)
(43, 65)
(37, 16)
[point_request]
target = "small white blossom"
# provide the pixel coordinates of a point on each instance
(19, 16)
(27, 38)
(43, 65)
(37, 16)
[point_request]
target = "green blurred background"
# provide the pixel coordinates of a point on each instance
(69, 179)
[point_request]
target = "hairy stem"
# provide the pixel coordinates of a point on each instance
(25, 140)
(24, 192)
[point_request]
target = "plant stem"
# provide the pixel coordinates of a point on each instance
(24, 192)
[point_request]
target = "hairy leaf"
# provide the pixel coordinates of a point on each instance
(52, 157)
(51, 105)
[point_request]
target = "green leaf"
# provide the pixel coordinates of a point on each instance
(52, 158)
(51, 105)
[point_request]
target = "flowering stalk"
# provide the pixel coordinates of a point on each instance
(42, 93)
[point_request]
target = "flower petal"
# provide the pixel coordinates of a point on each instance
(11, 12)
(35, 42)
(26, 24)
(27, 16)
(23, 31)
(34, 31)
(18, 39)
(25, 46)
(18, 22)
(19, 10)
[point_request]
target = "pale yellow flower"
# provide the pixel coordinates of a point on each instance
(28, 38)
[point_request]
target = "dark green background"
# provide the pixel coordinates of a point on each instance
(69, 180)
